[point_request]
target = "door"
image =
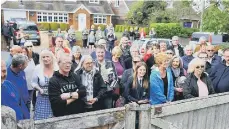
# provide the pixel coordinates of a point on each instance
(81, 21)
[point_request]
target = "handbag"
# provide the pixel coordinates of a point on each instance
(120, 102)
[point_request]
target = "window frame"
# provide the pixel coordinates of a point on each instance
(100, 18)
(54, 16)
(94, 1)
(117, 3)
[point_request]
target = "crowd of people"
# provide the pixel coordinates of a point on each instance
(61, 81)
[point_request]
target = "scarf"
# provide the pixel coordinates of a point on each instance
(176, 71)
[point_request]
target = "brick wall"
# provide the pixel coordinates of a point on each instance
(32, 18)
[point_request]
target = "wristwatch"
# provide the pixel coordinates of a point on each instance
(70, 95)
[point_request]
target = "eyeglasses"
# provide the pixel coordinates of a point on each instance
(29, 46)
(169, 53)
(210, 50)
(200, 67)
(136, 61)
(203, 57)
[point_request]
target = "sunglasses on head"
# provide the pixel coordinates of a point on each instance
(29, 46)
(202, 66)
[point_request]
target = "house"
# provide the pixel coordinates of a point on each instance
(120, 9)
(80, 14)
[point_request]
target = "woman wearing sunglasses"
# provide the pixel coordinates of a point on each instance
(197, 84)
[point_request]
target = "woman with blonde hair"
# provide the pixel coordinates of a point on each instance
(197, 84)
(40, 82)
(119, 66)
(137, 86)
(161, 81)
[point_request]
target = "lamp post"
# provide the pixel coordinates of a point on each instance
(202, 14)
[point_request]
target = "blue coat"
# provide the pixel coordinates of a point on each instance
(186, 60)
(157, 87)
(220, 77)
(10, 97)
(19, 81)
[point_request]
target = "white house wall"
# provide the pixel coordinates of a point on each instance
(14, 14)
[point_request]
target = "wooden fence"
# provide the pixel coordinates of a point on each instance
(198, 113)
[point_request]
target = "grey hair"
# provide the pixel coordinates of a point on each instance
(188, 46)
(133, 46)
(202, 38)
(80, 65)
(19, 59)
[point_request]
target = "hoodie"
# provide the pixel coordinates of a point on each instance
(59, 84)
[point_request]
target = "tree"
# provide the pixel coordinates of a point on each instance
(141, 12)
(215, 20)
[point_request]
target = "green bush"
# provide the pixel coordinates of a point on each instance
(54, 26)
(116, 28)
(63, 26)
(43, 26)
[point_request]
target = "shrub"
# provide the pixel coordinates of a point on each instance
(116, 28)
(54, 26)
(43, 26)
(63, 26)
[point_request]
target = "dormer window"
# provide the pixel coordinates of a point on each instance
(117, 3)
(94, 1)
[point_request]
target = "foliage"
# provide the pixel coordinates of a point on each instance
(64, 26)
(54, 26)
(215, 20)
(141, 12)
(163, 30)
(102, 26)
(43, 26)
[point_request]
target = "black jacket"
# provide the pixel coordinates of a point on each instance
(113, 78)
(35, 57)
(220, 77)
(190, 88)
(59, 84)
(181, 51)
(135, 94)
(126, 74)
(99, 89)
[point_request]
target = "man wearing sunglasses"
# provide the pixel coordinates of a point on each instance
(34, 55)
(220, 74)
(213, 58)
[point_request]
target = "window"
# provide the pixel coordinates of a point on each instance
(55, 19)
(39, 19)
(52, 17)
(100, 19)
(117, 3)
(94, 1)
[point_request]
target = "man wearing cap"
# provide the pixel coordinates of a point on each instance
(108, 55)
(176, 47)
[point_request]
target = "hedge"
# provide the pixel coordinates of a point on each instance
(63, 26)
(163, 30)
(53, 26)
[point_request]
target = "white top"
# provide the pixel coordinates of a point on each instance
(176, 51)
(29, 73)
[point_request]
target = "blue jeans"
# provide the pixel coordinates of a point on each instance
(110, 46)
